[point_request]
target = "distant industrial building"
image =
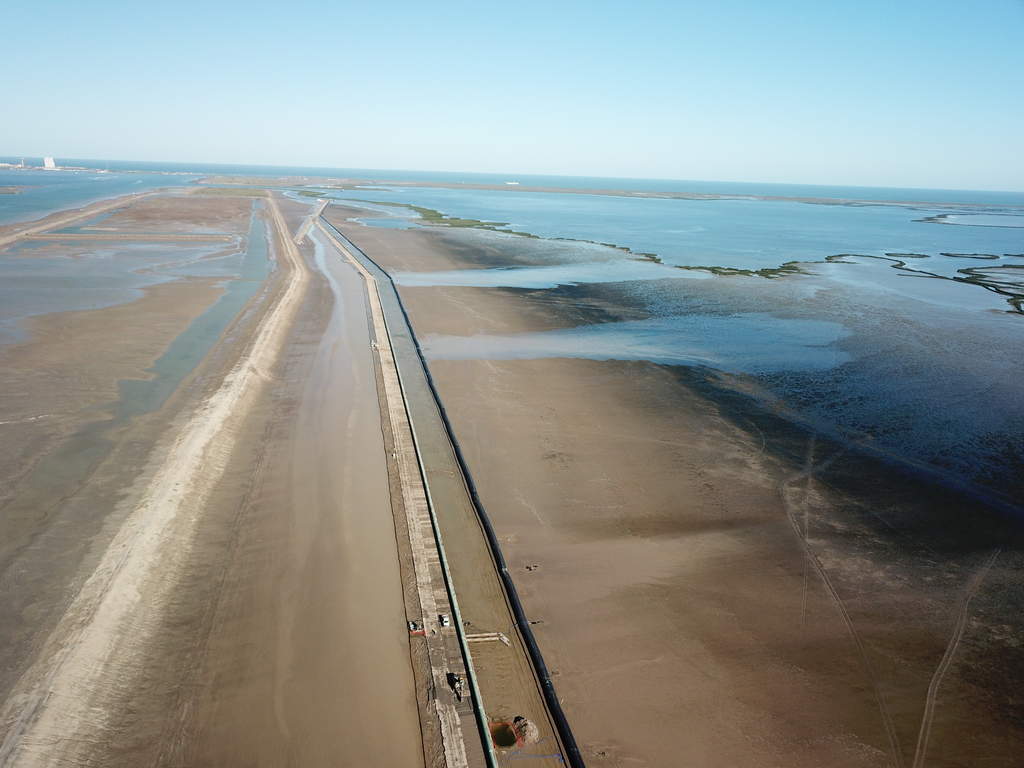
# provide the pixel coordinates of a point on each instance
(48, 162)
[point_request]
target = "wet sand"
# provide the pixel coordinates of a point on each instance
(10, 233)
(308, 654)
(495, 650)
(187, 214)
(719, 586)
(65, 456)
(55, 500)
(222, 586)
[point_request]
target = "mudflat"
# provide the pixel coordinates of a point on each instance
(193, 213)
(213, 580)
(306, 656)
(204, 563)
(56, 499)
(717, 584)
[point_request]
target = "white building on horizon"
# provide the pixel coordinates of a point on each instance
(48, 163)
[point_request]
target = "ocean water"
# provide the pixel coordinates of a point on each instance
(734, 233)
(43, 192)
(42, 277)
(895, 328)
(984, 197)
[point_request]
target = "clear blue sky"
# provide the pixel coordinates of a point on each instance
(912, 93)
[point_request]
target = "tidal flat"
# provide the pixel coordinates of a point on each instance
(167, 373)
(94, 339)
(753, 463)
(778, 518)
(878, 326)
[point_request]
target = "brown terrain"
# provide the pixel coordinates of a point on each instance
(53, 391)
(306, 653)
(226, 578)
(718, 586)
(216, 581)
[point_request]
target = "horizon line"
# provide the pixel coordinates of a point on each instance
(196, 167)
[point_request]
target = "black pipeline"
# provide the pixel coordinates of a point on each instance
(572, 754)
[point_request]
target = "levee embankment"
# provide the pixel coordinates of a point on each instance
(512, 680)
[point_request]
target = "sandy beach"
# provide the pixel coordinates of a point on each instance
(717, 585)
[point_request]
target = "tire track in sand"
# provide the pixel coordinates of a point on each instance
(947, 659)
(801, 531)
(59, 712)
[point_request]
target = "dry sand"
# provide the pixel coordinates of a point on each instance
(658, 520)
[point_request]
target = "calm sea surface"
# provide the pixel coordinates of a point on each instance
(41, 277)
(43, 192)
(893, 326)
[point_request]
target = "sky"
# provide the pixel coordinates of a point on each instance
(901, 93)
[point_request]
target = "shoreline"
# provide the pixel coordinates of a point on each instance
(522, 623)
(271, 586)
(300, 182)
(649, 524)
(77, 656)
(11, 233)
